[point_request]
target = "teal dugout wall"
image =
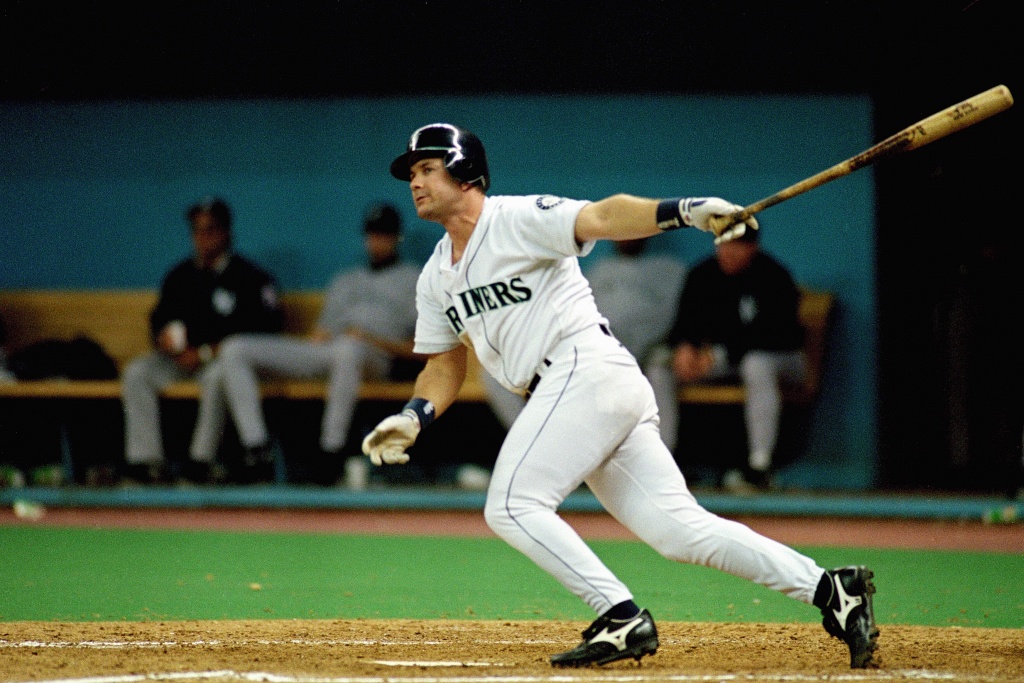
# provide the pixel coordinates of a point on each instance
(92, 195)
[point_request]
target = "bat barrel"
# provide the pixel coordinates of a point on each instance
(935, 127)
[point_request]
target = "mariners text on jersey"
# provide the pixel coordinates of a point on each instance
(487, 298)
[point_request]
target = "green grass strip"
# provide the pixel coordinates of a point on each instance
(92, 574)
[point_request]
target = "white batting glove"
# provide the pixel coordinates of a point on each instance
(387, 442)
(737, 230)
(698, 212)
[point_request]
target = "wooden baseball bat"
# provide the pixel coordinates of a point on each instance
(938, 125)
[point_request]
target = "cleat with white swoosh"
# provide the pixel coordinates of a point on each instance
(608, 640)
(849, 615)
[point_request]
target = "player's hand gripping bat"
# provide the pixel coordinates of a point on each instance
(938, 125)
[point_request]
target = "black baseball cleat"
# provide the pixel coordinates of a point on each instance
(844, 597)
(608, 640)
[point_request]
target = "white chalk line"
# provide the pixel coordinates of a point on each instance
(266, 677)
(151, 644)
(395, 662)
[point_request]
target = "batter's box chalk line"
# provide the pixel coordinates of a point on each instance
(229, 676)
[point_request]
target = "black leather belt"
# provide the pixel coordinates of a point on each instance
(534, 382)
(536, 378)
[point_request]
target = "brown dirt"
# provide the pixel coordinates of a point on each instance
(369, 651)
(469, 651)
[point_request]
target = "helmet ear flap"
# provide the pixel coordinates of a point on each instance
(459, 165)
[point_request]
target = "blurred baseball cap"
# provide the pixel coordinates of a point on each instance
(382, 218)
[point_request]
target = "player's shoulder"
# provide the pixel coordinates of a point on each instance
(406, 267)
(527, 202)
(771, 263)
(243, 265)
(406, 272)
(181, 268)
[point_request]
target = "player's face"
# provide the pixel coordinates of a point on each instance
(380, 248)
(435, 194)
(209, 238)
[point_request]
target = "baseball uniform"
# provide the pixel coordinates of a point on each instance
(517, 297)
(237, 296)
(505, 282)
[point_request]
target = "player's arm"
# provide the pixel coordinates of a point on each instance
(436, 388)
(619, 217)
(441, 378)
(623, 217)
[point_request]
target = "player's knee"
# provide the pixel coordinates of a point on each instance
(232, 350)
(507, 515)
(346, 352)
(497, 517)
(755, 368)
(136, 376)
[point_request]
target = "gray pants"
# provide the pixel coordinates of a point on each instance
(344, 362)
(141, 383)
(762, 373)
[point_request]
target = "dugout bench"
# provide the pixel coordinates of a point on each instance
(119, 321)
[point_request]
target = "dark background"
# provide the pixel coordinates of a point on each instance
(948, 237)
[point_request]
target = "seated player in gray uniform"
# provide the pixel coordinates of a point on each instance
(367, 322)
(203, 299)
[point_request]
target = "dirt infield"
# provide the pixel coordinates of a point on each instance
(482, 652)
(393, 651)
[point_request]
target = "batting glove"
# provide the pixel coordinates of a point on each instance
(387, 442)
(698, 212)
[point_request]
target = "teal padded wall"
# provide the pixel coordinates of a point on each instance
(92, 196)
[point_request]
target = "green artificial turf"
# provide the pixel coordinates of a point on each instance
(90, 574)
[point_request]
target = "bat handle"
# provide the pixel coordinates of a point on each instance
(720, 224)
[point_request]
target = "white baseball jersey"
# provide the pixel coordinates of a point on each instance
(515, 293)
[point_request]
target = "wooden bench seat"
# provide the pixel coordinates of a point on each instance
(118, 321)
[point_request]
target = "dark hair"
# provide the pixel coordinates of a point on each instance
(214, 206)
(382, 218)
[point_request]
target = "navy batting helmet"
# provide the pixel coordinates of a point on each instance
(463, 153)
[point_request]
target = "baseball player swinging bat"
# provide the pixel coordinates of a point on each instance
(938, 125)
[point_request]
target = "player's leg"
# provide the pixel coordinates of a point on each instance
(574, 419)
(762, 373)
(244, 358)
(563, 433)
(350, 361)
(542, 460)
(642, 487)
(666, 388)
(141, 383)
(212, 414)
